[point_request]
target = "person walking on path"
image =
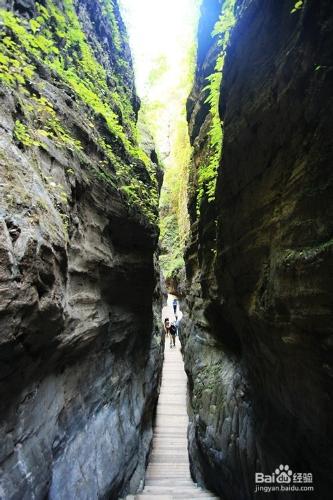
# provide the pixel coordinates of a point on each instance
(177, 324)
(175, 304)
(167, 326)
(173, 331)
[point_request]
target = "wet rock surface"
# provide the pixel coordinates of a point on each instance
(80, 346)
(257, 338)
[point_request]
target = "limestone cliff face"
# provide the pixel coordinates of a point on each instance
(80, 352)
(258, 345)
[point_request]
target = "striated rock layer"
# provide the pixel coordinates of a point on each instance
(258, 342)
(80, 351)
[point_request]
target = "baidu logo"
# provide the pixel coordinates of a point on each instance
(283, 474)
(283, 479)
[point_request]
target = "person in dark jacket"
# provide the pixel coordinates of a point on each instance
(175, 304)
(167, 326)
(173, 331)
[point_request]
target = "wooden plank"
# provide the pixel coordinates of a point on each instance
(168, 474)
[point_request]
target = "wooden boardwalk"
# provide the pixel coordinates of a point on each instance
(168, 475)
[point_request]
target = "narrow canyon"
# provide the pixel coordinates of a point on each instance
(88, 253)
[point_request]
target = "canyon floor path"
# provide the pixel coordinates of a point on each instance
(168, 473)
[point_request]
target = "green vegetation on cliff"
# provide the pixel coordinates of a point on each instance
(174, 223)
(54, 39)
(208, 171)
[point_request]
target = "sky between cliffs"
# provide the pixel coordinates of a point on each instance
(162, 34)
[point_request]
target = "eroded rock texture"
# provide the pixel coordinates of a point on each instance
(80, 351)
(258, 345)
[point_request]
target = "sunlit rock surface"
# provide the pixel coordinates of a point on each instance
(80, 351)
(258, 342)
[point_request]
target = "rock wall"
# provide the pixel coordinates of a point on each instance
(258, 340)
(80, 347)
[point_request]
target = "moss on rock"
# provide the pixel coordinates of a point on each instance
(53, 40)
